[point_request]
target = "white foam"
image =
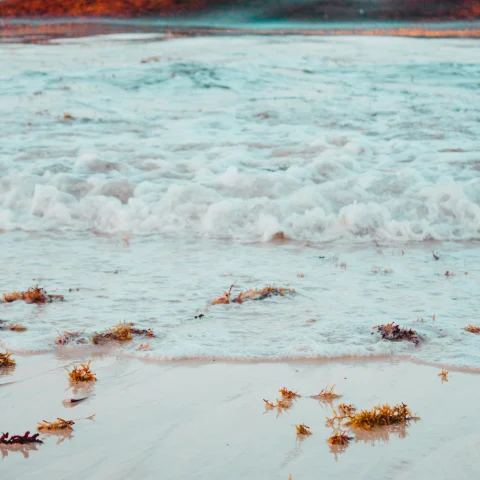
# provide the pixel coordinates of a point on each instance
(370, 143)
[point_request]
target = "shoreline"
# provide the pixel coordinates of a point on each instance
(44, 29)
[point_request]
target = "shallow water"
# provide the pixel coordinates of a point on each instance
(202, 149)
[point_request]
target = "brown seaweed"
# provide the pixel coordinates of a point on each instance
(303, 429)
(120, 333)
(19, 439)
(472, 329)
(394, 333)
(289, 393)
(82, 373)
(32, 295)
(339, 438)
(381, 415)
(327, 395)
(59, 424)
(252, 294)
(5, 360)
(66, 337)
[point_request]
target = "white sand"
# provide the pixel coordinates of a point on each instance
(208, 421)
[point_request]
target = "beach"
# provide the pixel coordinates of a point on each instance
(253, 212)
(201, 420)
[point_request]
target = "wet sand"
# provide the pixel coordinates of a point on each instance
(198, 420)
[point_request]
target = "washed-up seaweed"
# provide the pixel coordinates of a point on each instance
(395, 333)
(120, 333)
(303, 429)
(472, 329)
(66, 337)
(289, 394)
(380, 415)
(443, 374)
(19, 439)
(59, 424)
(16, 327)
(252, 294)
(283, 404)
(339, 438)
(82, 373)
(327, 395)
(32, 295)
(347, 410)
(5, 360)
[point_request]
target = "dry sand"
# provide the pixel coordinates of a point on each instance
(195, 420)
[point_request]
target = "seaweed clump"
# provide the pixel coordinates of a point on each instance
(281, 404)
(327, 395)
(19, 439)
(472, 329)
(32, 295)
(395, 333)
(120, 333)
(288, 393)
(347, 410)
(381, 415)
(339, 438)
(82, 373)
(5, 360)
(59, 424)
(252, 294)
(16, 327)
(303, 429)
(66, 337)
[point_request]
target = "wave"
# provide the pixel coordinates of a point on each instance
(191, 136)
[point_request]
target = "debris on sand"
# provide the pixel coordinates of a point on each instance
(472, 329)
(268, 405)
(82, 373)
(66, 337)
(443, 374)
(339, 438)
(327, 395)
(120, 333)
(288, 393)
(19, 439)
(347, 410)
(5, 360)
(59, 424)
(252, 294)
(285, 404)
(381, 415)
(16, 327)
(32, 295)
(394, 333)
(303, 429)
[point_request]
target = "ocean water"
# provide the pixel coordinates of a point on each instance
(363, 151)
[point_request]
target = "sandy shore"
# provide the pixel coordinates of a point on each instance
(207, 420)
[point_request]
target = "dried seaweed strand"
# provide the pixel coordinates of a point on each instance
(19, 439)
(59, 424)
